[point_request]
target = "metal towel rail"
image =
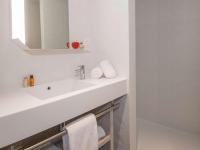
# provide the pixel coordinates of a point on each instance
(101, 142)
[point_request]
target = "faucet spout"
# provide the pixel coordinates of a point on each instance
(81, 72)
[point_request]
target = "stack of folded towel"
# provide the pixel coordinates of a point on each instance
(105, 69)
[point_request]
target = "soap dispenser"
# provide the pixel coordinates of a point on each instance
(31, 81)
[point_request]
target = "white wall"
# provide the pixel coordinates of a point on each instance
(105, 23)
(109, 23)
(113, 25)
(168, 74)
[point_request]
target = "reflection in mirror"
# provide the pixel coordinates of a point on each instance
(41, 24)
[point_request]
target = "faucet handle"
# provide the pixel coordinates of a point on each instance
(80, 67)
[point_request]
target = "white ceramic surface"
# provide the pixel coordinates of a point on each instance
(23, 115)
(53, 89)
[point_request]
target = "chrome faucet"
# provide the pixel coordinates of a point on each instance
(80, 72)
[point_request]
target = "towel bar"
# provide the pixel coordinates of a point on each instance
(102, 142)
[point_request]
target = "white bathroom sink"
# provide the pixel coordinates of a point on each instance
(26, 112)
(53, 89)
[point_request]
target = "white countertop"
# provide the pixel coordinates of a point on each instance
(22, 115)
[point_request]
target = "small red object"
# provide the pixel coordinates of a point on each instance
(75, 45)
(68, 44)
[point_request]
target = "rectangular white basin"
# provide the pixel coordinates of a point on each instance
(53, 89)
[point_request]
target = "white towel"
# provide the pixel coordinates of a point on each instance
(108, 69)
(101, 132)
(65, 141)
(51, 147)
(96, 73)
(82, 134)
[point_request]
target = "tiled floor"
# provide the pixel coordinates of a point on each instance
(152, 136)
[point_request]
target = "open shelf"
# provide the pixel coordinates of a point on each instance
(48, 51)
(55, 51)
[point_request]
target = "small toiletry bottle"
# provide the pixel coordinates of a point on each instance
(26, 82)
(31, 81)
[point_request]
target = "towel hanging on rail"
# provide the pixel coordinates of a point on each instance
(64, 132)
(82, 134)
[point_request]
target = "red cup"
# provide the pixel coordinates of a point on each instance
(75, 45)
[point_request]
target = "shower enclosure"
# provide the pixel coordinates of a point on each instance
(168, 74)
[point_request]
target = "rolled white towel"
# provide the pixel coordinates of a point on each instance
(108, 69)
(101, 132)
(51, 147)
(96, 73)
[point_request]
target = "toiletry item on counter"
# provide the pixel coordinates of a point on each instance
(31, 81)
(26, 82)
(108, 69)
(96, 73)
(82, 134)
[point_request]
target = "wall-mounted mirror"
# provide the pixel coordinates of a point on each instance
(41, 24)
